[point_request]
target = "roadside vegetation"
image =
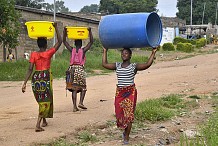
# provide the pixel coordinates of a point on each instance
(16, 71)
(150, 114)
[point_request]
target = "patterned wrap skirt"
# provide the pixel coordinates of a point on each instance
(125, 103)
(43, 92)
(76, 78)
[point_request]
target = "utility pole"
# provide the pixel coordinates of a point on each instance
(191, 14)
(203, 13)
(216, 18)
(54, 21)
(191, 19)
(216, 12)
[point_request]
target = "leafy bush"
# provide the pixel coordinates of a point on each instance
(179, 40)
(201, 43)
(193, 42)
(180, 47)
(188, 47)
(182, 40)
(185, 47)
(168, 47)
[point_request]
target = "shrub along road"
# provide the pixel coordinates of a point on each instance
(18, 111)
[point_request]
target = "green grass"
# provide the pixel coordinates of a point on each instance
(85, 136)
(154, 110)
(83, 139)
(208, 130)
(13, 71)
(163, 108)
(208, 134)
(16, 71)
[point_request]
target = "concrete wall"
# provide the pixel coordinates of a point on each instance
(172, 22)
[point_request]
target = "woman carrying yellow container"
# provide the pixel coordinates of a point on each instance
(42, 78)
(75, 75)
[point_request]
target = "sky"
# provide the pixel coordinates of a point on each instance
(166, 7)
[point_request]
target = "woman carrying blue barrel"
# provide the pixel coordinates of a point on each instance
(126, 92)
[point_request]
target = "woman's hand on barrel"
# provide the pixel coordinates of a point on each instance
(24, 88)
(105, 49)
(154, 50)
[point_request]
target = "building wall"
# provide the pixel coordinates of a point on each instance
(172, 22)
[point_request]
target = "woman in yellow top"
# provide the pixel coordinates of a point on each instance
(10, 56)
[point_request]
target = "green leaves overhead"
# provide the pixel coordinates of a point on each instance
(89, 9)
(40, 4)
(127, 6)
(9, 23)
(184, 7)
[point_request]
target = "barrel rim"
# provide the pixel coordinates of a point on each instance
(160, 26)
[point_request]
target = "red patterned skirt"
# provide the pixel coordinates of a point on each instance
(125, 103)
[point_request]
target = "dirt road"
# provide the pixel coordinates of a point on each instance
(18, 111)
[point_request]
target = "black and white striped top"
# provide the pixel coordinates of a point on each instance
(125, 76)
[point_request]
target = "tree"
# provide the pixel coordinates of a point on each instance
(127, 6)
(29, 3)
(40, 4)
(59, 7)
(9, 25)
(89, 9)
(184, 11)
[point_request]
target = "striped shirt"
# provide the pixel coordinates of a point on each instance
(125, 76)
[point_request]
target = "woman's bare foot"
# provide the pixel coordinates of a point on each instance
(75, 109)
(82, 106)
(44, 124)
(39, 129)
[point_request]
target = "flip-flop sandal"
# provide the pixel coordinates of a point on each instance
(82, 106)
(123, 135)
(39, 130)
(125, 142)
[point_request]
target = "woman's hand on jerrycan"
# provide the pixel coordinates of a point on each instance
(89, 29)
(65, 32)
(54, 24)
(24, 88)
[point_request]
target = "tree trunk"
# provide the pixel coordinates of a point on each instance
(4, 53)
(16, 53)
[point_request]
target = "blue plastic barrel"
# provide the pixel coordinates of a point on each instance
(130, 30)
